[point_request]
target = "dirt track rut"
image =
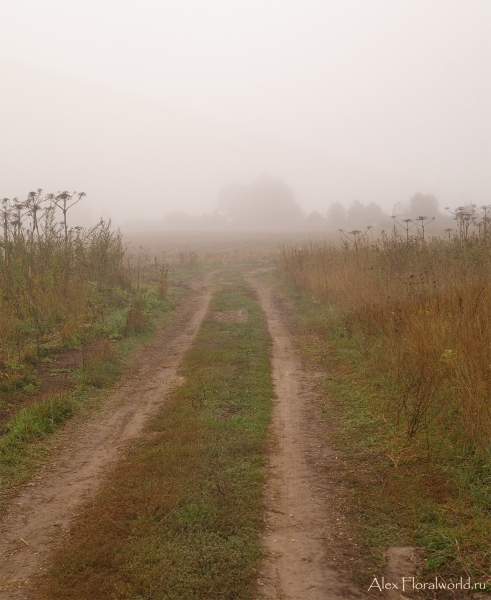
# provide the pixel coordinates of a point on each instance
(40, 514)
(299, 540)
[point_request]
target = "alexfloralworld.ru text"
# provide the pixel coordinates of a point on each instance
(410, 583)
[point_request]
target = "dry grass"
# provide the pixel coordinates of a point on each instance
(53, 282)
(425, 309)
(61, 288)
(63, 293)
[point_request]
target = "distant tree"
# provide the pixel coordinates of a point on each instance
(336, 216)
(374, 215)
(356, 215)
(316, 221)
(423, 205)
(230, 200)
(267, 203)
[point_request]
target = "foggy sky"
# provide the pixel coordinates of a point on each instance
(152, 106)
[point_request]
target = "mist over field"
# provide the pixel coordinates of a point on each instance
(227, 222)
(246, 115)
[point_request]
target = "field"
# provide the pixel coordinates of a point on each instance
(211, 394)
(218, 248)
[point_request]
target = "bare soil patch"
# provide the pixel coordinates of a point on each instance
(54, 377)
(40, 515)
(401, 562)
(229, 410)
(231, 316)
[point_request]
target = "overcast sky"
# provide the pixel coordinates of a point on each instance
(151, 106)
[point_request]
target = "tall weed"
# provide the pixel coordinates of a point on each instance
(62, 286)
(428, 305)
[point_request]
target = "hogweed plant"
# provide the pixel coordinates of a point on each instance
(426, 307)
(58, 285)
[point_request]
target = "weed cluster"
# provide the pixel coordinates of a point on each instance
(423, 310)
(51, 277)
(402, 328)
(61, 287)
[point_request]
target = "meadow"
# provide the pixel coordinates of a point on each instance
(423, 310)
(218, 248)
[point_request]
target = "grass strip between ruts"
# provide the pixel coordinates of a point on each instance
(180, 515)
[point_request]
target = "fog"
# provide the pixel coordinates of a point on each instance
(156, 107)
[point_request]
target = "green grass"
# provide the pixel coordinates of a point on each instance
(29, 437)
(400, 492)
(180, 516)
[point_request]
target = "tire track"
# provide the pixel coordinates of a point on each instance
(41, 514)
(299, 543)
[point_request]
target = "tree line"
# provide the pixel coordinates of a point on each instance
(269, 204)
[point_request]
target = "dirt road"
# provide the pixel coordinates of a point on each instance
(40, 515)
(306, 555)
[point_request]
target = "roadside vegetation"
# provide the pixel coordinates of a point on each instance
(402, 327)
(180, 515)
(73, 302)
